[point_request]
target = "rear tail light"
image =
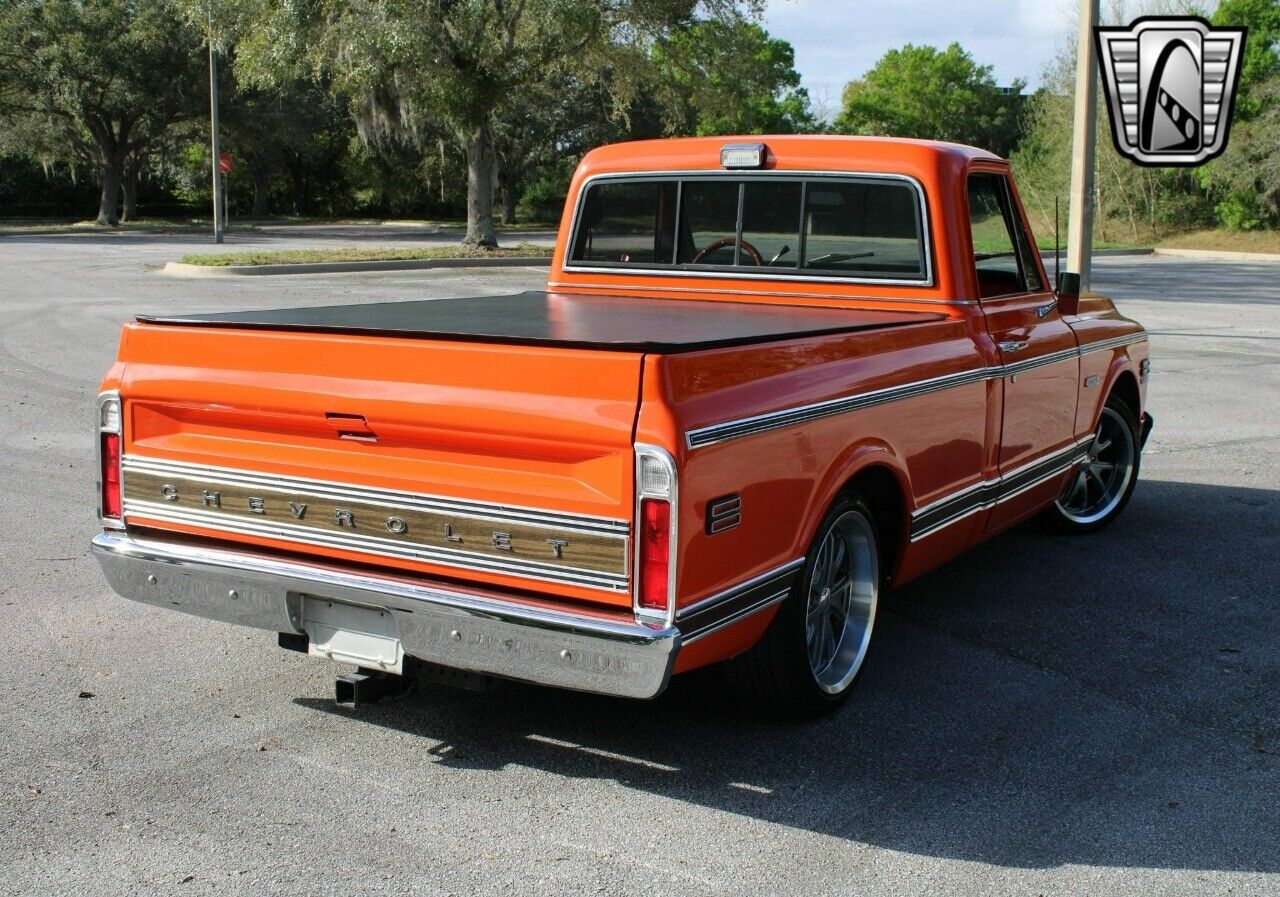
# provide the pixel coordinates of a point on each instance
(655, 553)
(110, 507)
(111, 475)
(654, 587)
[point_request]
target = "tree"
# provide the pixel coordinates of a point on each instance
(279, 128)
(731, 77)
(98, 81)
(411, 66)
(529, 130)
(1261, 60)
(933, 94)
(1246, 178)
(1248, 173)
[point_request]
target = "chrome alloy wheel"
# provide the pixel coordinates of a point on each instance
(841, 604)
(1099, 484)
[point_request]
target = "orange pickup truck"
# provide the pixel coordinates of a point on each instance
(768, 379)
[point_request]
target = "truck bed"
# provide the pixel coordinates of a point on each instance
(611, 323)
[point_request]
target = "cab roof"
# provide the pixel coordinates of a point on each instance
(812, 152)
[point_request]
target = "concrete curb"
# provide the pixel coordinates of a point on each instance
(1118, 253)
(178, 269)
(1221, 255)
(1102, 253)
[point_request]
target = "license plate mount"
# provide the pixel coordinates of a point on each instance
(352, 633)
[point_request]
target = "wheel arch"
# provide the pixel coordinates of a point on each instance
(877, 473)
(1125, 386)
(883, 491)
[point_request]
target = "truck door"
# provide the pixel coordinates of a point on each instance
(1037, 351)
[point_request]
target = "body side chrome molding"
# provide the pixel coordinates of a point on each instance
(982, 496)
(1114, 342)
(785, 417)
(760, 423)
(717, 611)
(1017, 367)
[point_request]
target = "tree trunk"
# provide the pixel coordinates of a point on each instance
(111, 175)
(480, 163)
(129, 185)
(261, 191)
(295, 178)
(509, 198)
(508, 183)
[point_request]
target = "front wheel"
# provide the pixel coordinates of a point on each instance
(808, 660)
(1097, 491)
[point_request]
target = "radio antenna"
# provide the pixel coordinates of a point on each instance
(1057, 264)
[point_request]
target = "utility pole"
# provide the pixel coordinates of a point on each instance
(218, 223)
(1083, 147)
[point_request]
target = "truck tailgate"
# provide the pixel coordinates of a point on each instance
(503, 464)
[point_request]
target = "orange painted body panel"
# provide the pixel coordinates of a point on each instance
(935, 442)
(554, 428)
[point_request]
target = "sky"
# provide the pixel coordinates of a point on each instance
(838, 40)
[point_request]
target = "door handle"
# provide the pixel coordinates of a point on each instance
(351, 426)
(1014, 345)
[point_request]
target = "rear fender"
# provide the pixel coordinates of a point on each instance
(859, 457)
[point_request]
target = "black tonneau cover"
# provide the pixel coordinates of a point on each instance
(618, 323)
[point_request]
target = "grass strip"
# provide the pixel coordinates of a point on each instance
(353, 254)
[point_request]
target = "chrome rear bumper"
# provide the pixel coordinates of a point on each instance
(462, 628)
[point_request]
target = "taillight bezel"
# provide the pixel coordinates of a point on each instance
(659, 460)
(104, 427)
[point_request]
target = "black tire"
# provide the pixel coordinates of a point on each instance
(1074, 515)
(776, 675)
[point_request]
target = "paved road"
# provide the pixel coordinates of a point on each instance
(1044, 716)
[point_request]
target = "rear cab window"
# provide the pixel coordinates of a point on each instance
(627, 222)
(860, 227)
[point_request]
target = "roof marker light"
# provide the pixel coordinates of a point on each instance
(743, 155)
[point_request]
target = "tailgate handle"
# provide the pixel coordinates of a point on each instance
(351, 426)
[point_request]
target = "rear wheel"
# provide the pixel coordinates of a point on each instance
(1097, 491)
(808, 660)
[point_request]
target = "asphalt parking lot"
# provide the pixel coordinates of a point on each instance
(1044, 716)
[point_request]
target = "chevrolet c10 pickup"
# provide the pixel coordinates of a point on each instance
(768, 379)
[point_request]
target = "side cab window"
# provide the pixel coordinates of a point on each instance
(1002, 255)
